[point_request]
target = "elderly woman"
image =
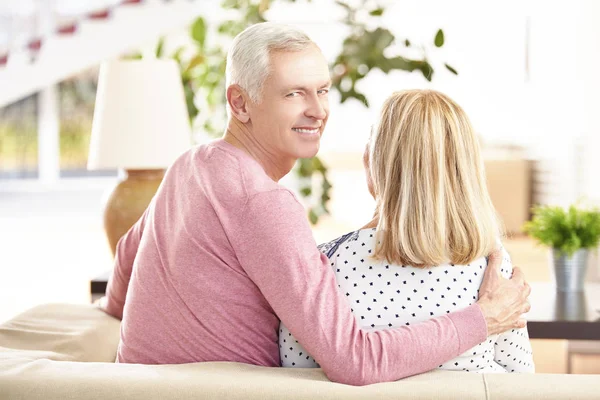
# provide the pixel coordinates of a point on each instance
(423, 254)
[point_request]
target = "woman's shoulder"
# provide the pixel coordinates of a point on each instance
(331, 247)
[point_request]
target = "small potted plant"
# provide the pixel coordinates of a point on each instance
(570, 234)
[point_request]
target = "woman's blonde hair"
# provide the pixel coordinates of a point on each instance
(433, 206)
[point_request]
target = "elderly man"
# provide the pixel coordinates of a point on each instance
(224, 252)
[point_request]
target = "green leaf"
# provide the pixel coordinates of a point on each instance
(189, 100)
(198, 31)
(377, 12)
(305, 167)
(312, 216)
(231, 28)
(229, 4)
(449, 68)
(382, 38)
(362, 98)
(439, 38)
(344, 95)
(197, 60)
(306, 191)
(177, 54)
(399, 63)
(342, 4)
(426, 70)
(254, 14)
(133, 56)
(159, 47)
(317, 164)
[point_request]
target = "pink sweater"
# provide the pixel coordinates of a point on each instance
(223, 252)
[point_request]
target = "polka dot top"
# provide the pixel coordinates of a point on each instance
(384, 296)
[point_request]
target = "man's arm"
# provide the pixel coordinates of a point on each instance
(275, 246)
(116, 289)
(503, 301)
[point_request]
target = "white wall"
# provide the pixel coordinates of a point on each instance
(588, 85)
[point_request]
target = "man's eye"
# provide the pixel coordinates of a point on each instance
(293, 94)
(323, 91)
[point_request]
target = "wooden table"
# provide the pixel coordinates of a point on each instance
(558, 315)
(98, 285)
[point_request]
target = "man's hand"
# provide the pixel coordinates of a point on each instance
(503, 301)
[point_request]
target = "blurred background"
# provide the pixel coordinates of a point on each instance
(524, 71)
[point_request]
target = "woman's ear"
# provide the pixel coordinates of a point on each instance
(238, 103)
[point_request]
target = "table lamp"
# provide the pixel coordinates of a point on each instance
(140, 126)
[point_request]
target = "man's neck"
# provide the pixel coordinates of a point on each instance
(274, 165)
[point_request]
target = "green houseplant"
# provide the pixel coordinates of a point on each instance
(570, 233)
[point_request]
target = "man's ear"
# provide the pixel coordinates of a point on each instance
(238, 103)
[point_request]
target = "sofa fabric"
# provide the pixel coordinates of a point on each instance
(62, 351)
(61, 332)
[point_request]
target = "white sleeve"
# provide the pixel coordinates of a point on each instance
(513, 348)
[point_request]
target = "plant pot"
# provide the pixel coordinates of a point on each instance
(569, 271)
(570, 306)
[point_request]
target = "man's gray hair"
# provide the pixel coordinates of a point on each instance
(248, 59)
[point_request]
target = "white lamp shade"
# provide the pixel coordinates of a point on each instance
(140, 116)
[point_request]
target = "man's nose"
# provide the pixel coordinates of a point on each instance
(317, 108)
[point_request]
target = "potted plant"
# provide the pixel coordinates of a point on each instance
(570, 234)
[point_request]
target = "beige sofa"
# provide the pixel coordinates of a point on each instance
(60, 351)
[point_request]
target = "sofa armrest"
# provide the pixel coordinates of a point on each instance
(62, 332)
